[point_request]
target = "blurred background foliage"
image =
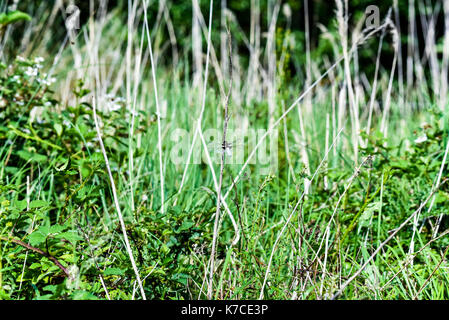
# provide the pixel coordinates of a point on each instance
(321, 13)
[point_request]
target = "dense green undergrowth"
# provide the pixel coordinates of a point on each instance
(60, 237)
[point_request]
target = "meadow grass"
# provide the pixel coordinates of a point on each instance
(355, 208)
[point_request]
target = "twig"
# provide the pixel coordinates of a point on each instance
(45, 254)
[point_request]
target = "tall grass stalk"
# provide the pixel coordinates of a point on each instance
(116, 201)
(158, 110)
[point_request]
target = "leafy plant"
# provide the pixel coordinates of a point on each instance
(7, 18)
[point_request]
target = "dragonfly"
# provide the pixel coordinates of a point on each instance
(234, 146)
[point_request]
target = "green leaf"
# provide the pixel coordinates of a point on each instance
(83, 295)
(181, 278)
(4, 295)
(186, 225)
(441, 197)
(38, 204)
(21, 205)
(71, 236)
(58, 129)
(39, 236)
(25, 155)
(401, 164)
(113, 272)
(52, 288)
(55, 229)
(68, 257)
(13, 16)
(85, 170)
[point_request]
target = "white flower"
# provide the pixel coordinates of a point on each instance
(19, 58)
(31, 72)
(421, 139)
(144, 197)
(39, 60)
(112, 103)
(47, 81)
